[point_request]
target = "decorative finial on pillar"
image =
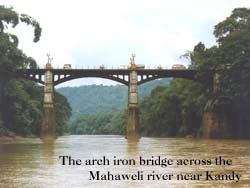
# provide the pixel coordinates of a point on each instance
(132, 59)
(49, 58)
(48, 65)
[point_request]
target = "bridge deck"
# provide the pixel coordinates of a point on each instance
(119, 75)
(115, 71)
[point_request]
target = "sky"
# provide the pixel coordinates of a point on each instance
(89, 33)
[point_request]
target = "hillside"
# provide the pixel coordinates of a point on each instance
(91, 99)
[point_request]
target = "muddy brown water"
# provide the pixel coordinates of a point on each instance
(34, 164)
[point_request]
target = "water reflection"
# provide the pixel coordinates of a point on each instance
(132, 147)
(48, 153)
(48, 139)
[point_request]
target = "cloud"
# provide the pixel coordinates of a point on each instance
(90, 33)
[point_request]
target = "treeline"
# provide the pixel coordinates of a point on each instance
(216, 108)
(23, 109)
(92, 99)
(174, 110)
(21, 102)
(100, 123)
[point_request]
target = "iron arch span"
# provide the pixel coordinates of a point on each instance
(118, 75)
(132, 78)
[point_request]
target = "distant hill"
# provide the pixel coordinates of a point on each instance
(91, 99)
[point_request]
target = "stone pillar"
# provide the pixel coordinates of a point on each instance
(215, 124)
(133, 112)
(48, 130)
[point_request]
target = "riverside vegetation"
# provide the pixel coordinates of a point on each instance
(182, 108)
(21, 101)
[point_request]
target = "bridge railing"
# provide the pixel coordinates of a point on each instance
(118, 67)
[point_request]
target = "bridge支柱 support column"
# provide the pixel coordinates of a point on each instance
(48, 130)
(133, 110)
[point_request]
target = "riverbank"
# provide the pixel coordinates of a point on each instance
(10, 138)
(15, 139)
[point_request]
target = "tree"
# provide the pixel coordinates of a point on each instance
(63, 113)
(187, 101)
(231, 59)
(22, 104)
(11, 57)
(196, 55)
(239, 20)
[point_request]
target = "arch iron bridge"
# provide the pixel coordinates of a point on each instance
(130, 77)
(118, 75)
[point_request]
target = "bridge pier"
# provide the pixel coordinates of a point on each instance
(133, 110)
(48, 130)
(214, 123)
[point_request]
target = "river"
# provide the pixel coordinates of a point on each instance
(29, 163)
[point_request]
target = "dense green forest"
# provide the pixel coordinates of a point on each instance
(100, 123)
(92, 99)
(162, 107)
(98, 109)
(21, 102)
(191, 108)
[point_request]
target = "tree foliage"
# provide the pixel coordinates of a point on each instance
(21, 107)
(11, 57)
(231, 59)
(10, 17)
(63, 114)
(91, 99)
(239, 20)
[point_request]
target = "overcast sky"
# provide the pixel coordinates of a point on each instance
(94, 32)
